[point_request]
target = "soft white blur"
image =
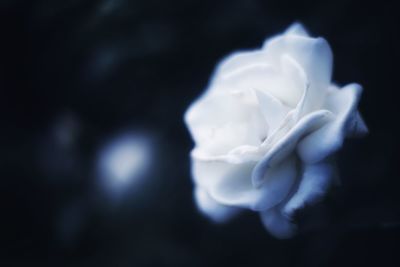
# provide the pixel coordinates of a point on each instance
(124, 162)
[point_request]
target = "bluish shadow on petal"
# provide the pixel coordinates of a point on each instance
(329, 138)
(314, 184)
(356, 126)
(230, 184)
(277, 224)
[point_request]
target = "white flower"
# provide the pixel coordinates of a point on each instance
(266, 128)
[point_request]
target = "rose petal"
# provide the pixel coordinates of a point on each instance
(296, 75)
(230, 184)
(212, 209)
(275, 81)
(356, 126)
(313, 55)
(297, 29)
(244, 58)
(278, 224)
(277, 184)
(209, 174)
(218, 125)
(293, 71)
(238, 155)
(287, 144)
(272, 109)
(314, 183)
(238, 60)
(329, 138)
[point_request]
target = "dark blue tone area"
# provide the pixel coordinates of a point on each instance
(93, 69)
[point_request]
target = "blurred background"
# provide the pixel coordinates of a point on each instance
(94, 162)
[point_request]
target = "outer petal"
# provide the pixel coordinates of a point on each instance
(313, 54)
(297, 29)
(328, 139)
(287, 144)
(357, 126)
(239, 59)
(315, 182)
(277, 224)
(230, 184)
(212, 209)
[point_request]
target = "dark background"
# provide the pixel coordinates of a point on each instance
(94, 69)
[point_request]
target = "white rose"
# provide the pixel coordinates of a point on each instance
(266, 128)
